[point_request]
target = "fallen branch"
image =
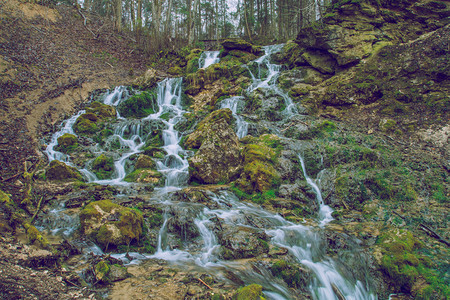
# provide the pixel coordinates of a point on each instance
(37, 210)
(12, 177)
(204, 283)
(398, 214)
(434, 234)
(337, 292)
(85, 24)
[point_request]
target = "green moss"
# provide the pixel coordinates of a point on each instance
(86, 123)
(103, 167)
(5, 198)
(250, 292)
(176, 70)
(289, 273)
(102, 270)
(35, 237)
(145, 176)
(387, 125)
(60, 171)
(67, 143)
(101, 110)
(139, 105)
(144, 162)
(123, 225)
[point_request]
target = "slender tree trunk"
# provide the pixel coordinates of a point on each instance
(118, 15)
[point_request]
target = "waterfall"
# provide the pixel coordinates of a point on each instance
(208, 58)
(304, 245)
(233, 104)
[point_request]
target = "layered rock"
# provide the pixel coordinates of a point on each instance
(218, 157)
(111, 224)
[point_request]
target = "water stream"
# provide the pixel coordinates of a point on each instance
(208, 58)
(304, 243)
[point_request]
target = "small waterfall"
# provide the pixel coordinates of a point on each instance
(233, 104)
(66, 128)
(324, 210)
(269, 80)
(208, 58)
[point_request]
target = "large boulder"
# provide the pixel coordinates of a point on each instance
(242, 242)
(111, 224)
(218, 158)
(148, 80)
(238, 44)
(60, 171)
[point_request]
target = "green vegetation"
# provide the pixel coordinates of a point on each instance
(67, 143)
(60, 171)
(404, 264)
(139, 105)
(249, 292)
(122, 227)
(291, 274)
(103, 167)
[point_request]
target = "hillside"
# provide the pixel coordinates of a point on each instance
(345, 148)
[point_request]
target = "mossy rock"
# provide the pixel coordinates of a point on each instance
(86, 123)
(145, 176)
(67, 143)
(175, 71)
(400, 261)
(60, 171)
(144, 162)
(139, 105)
(154, 152)
(103, 166)
(147, 81)
(102, 269)
(111, 224)
(294, 275)
(101, 110)
(35, 237)
(260, 155)
(238, 44)
(387, 125)
(249, 292)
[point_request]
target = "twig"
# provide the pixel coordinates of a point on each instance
(345, 204)
(109, 64)
(434, 234)
(85, 24)
(37, 210)
(398, 214)
(204, 283)
(337, 292)
(12, 177)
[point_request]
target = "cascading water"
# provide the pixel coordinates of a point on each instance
(208, 58)
(267, 75)
(233, 103)
(303, 243)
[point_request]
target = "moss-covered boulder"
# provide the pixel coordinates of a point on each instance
(218, 158)
(148, 80)
(107, 273)
(86, 123)
(110, 224)
(60, 171)
(34, 236)
(192, 60)
(67, 143)
(145, 176)
(139, 105)
(249, 292)
(103, 166)
(101, 110)
(144, 162)
(238, 44)
(260, 155)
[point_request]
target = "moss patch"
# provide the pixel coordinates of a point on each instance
(103, 167)
(67, 143)
(138, 106)
(60, 171)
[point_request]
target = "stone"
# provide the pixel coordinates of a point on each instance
(242, 242)
(110, 224)
(218, 158)
(60, 171)
(147, 81)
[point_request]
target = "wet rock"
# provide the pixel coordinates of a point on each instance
(39, 259)
(111, 224)
(181, 221)
(60, 171)
(238, 44)
(242, 242)
(250, 292)
(144, 162)
(139, 105)
(295, 275)
(218, 157)
(147, 81)
(103, 166)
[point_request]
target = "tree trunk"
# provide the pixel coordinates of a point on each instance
(118, 15)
